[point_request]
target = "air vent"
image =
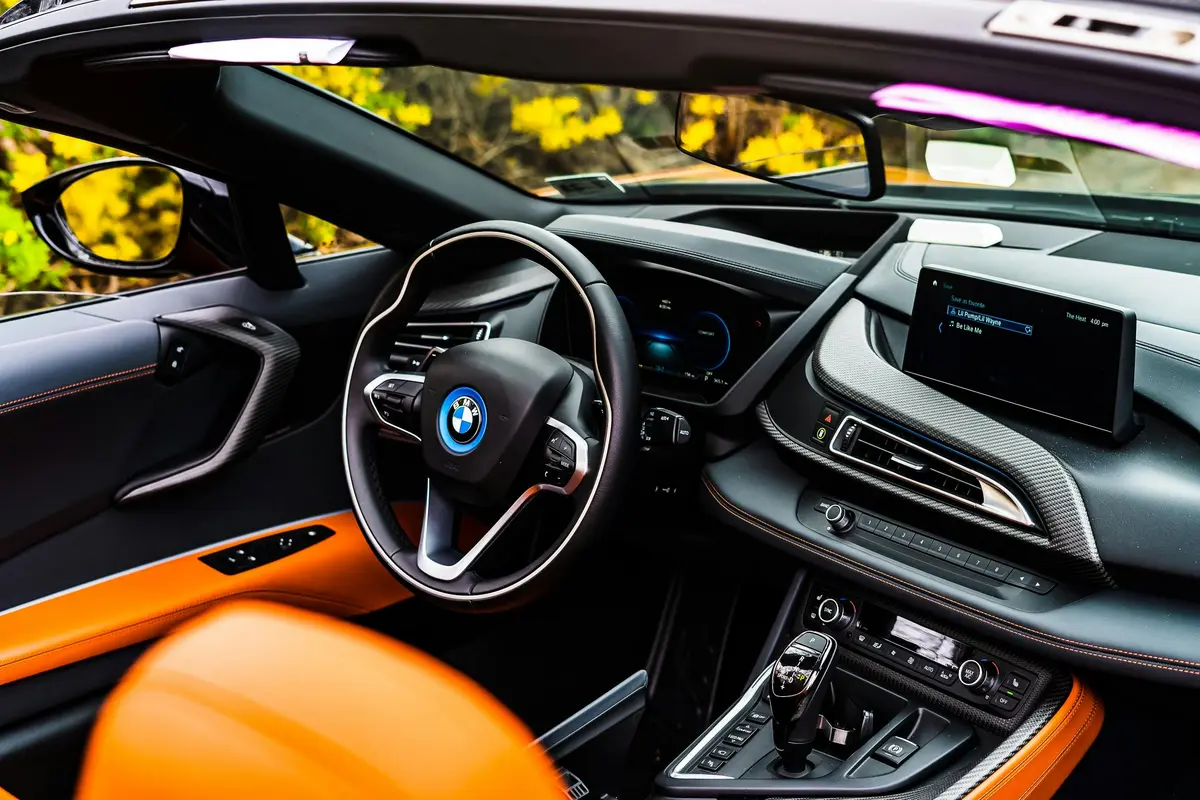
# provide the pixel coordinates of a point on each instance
(422, 339)
(912, 464)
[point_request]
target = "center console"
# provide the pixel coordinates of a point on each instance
(862, 698)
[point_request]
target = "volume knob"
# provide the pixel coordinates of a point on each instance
(840, 518)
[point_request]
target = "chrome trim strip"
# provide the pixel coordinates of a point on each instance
(997, 499)
(587, 304)
(437, 526)
(744, 702)
(410, 377)
(186, 554)
(487, 327)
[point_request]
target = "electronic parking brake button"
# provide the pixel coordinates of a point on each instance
(895, 750)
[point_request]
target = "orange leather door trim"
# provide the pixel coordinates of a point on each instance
(339, 576)
(1041, 766)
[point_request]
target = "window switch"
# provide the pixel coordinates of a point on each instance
(259, 552)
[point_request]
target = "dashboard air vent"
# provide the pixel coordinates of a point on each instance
(419, 340)
(864, 443)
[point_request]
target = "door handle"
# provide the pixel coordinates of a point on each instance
(278, 354)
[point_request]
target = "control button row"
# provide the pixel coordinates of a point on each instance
(262, 551)
(558, 459)
(731, 744)
(969, 673)
(905, 658)
(827, 422)
(885, 529)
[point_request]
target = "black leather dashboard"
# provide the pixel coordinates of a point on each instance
(1115, 522)
(757, 492)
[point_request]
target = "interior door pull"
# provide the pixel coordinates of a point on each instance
(278, 353)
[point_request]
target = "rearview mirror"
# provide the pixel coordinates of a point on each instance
(826, 152)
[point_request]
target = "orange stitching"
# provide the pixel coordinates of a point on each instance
(1024, 760)
(1062, 754)
(73, 385)
(923, 594)
(142, 374)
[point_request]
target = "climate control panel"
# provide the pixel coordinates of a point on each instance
(973, 675)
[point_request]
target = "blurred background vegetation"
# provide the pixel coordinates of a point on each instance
(520, 131)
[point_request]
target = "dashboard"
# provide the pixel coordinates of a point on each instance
(788, 355)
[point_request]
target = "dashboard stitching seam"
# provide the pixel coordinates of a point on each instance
(1062, 753)
(20, 400)
(949, 603)
(1013, 773)
(693, 253)
(140, 374)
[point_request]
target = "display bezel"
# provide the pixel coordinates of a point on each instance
(1122, 423)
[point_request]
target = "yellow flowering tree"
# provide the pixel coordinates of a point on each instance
(521, 131)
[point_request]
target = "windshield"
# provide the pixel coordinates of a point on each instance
(583, 141)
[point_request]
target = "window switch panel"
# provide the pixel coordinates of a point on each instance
(248, 555)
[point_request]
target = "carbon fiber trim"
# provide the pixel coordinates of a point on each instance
(890, 676)
(1059, 564)
(278, 355)
(844, 361)
(961, 784)
(1051, 703)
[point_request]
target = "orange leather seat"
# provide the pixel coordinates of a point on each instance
(259, 700)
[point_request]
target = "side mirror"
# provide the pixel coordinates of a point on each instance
(833, 153)
(135, 217)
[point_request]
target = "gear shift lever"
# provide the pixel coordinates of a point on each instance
(798, 684)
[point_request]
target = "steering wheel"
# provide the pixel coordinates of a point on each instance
(499, 422)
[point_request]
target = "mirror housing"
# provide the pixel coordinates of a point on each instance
(207, 240)
(832, 151)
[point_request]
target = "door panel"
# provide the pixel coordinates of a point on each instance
(71, 409)
(69, 457)
(338, 575)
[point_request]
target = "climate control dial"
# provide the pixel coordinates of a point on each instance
(836, 615)
(980, 676)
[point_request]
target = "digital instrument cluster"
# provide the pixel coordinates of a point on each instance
(693, 337)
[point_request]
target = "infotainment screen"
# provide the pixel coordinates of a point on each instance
(1060, 355)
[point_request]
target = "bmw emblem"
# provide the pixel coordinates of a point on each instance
(462, 420)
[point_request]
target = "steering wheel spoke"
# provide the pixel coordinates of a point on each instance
(394, 399)
(499, 422)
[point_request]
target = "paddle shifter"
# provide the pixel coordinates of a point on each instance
(798, 684)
